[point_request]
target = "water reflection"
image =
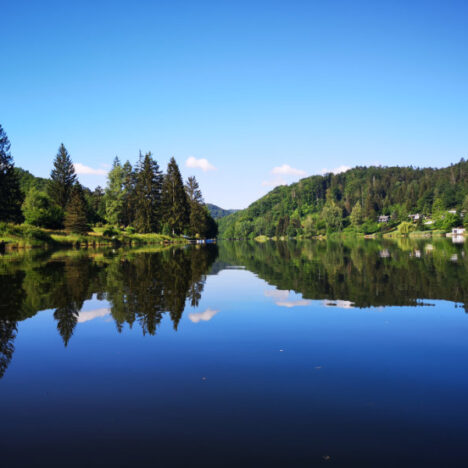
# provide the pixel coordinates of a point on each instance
(141, 287)
(361, 273)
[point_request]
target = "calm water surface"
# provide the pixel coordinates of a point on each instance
(241, 354)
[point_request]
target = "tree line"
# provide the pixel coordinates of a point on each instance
(354, 200)
(141, 197)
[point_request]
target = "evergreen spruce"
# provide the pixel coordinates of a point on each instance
(128, 196)
(76, 212)
(63, 178)
(176, 210)
(197, 218)
(11, 196)
(114, 193)
(147, 199)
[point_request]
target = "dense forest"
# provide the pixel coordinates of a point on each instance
(354, 200)
(140, 198)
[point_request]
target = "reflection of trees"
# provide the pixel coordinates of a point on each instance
(8, 331)
(141, 287)
(144, 288)
(12, 296)
(358, 270)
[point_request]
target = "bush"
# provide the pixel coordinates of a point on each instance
(39, 210)
(110, 231)
(130, 230)
(406, 227)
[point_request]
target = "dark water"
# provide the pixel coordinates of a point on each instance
(241, 354)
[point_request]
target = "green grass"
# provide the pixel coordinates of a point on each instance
(25, 236)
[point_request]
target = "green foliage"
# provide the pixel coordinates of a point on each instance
(28, 181)
(113, 197)
(39, 210)
(217, 212)
(110, 231)
(148, 195)
(75, 215)
(175, 206)
(406, 227)
(447, 221)
(11, 196)
(62, 178)
(356, 198)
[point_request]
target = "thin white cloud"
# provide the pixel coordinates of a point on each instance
(92, 314)
(81, 169)
(337, 170)
(282, 299)
(201, 163)
(286, 169)
(205, 316)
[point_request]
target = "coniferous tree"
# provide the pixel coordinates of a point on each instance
(114, 193)
(197, 218)
(11, 197)
(63, 178)
(128, 197)
(147, 201)
(76, 212)
(175, 205)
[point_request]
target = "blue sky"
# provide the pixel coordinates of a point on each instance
(265, 92)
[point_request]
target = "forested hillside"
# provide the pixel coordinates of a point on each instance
(218, 212)
(354, 200)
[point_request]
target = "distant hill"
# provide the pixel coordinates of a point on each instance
(354, 200)
(27, 180)
(218, 212)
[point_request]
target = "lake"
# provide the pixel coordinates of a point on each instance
(286, 354)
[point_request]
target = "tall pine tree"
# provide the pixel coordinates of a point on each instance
(11, 196)
(76, 212)
(176, 210)
(114, 193)
(63, 178)
(198, 215)
(147, 199)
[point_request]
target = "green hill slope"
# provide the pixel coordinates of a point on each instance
(353, 200)
(218, 212)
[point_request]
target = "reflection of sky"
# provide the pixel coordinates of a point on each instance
(85, 316)
(254, 365)
(286, 298)
(204, 316)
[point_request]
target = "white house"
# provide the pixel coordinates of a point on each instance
(415, 217)
(384, 219)
(458, 231)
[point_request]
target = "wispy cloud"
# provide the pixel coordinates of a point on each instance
(337, 170)
(283, 175)
(92, 314)
(286, 169)
(205, 316)
(282, 299)
(81, 169)
(201, 163)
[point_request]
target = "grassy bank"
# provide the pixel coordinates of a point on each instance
(13, 236)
